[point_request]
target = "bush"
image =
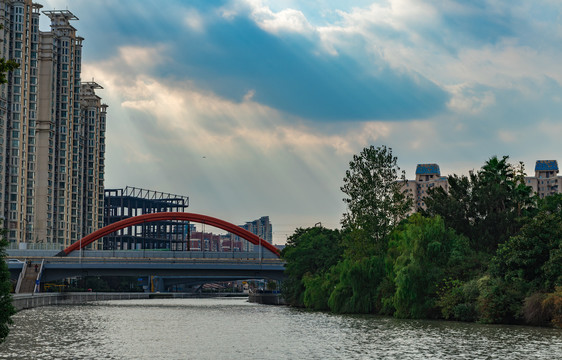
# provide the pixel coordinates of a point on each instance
(498, 302)
(317, 291)
(357, 289)
(426, 250)
(534, 312)
(458, 300)
(552, 305)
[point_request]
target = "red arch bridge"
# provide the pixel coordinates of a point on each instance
(182, 216)
(194, 266)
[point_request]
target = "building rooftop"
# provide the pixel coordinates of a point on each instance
(426, 169)
(546, 165)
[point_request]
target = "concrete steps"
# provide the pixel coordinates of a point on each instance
(28, 282)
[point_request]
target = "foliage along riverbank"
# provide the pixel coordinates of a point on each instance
(487, 250)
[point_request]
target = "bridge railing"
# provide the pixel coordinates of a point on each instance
(35, 246)
(144, 254)
(166, 254)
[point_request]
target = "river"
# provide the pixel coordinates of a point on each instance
(232, 328)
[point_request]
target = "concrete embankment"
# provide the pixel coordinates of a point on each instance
(266, 298)
(27, 301)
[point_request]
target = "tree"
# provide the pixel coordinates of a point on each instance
(427, 253)
(533, 258)
(375, 200)
(502, 200)
(488, 206)
(5, 66)
(455, 206)
(6, 307)
(357, 285)
(308, 252)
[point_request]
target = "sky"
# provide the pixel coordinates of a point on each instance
(255, 107)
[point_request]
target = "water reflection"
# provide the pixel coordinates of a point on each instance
(235, 329)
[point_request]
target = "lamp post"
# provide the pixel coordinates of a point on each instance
(260, 249)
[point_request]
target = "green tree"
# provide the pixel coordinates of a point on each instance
(488, 206)
(533, 258)
(319, 287)
(358, 286)
(5, 66)
(309, 252)
(428, 252)
(375, 201)
(502, 200)
(455, 206)
(6, 307)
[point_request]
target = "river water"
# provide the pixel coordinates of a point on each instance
(232, 328)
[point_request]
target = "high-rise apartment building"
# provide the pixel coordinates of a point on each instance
(260, 227)
(19, 97)
(52, 132)
(92, 149)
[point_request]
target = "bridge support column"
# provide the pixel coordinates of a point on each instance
(157, 284)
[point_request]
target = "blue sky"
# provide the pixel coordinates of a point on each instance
(255, 108)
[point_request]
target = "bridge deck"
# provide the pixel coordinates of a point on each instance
(211, 266)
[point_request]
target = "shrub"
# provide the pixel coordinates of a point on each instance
(552, 304)
(498, 302)
(458, 300)
(534, 312)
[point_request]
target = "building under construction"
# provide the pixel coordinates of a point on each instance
(131, 201)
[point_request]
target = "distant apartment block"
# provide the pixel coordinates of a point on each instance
(52, 131)
(260, 227)
(546, 180)
(428, 176)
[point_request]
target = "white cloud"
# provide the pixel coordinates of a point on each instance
(507, 136)
(466, 100)
(287, 20)
(249, 95)
(169, 125)
(194, 21)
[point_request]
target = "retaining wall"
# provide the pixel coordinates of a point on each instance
(28, 301)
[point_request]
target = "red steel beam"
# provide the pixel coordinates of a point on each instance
(136, 220)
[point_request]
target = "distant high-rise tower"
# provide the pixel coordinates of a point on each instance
(91, 183)
(260, 227)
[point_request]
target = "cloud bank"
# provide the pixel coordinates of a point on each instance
(256, 107)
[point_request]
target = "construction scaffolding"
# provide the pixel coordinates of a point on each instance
(131, 201)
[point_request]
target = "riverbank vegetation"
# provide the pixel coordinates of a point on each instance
(486, 250)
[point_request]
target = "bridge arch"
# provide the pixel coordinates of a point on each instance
(136, 220)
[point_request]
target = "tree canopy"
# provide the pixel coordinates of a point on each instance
(484, 249)
(308, 252)
(488, 206)
(375, 200)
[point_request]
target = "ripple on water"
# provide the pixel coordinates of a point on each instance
(236, 329)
